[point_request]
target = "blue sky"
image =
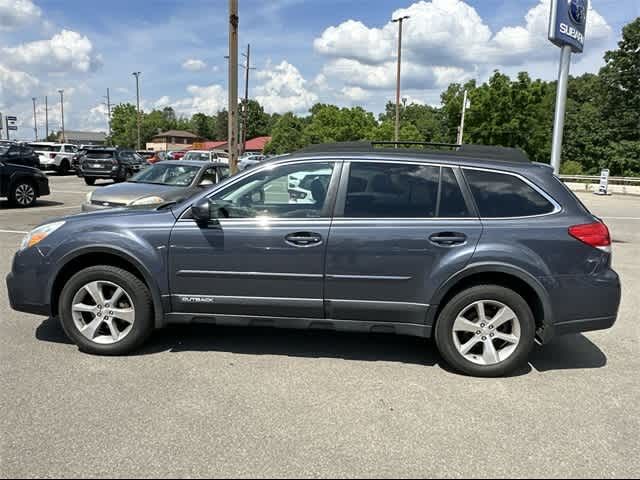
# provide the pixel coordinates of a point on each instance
(339, 51)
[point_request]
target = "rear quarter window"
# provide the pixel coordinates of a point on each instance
(500, 195)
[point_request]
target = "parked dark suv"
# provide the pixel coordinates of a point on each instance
(109, 163)
(18, 154)
(19, 183)
(478, 248)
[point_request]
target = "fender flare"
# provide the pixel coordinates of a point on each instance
(495, 267)
(154, 289)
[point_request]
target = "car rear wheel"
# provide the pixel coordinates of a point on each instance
(22, 194)
(90, 181)
(64, 167)
(106, 310)
(486, 331)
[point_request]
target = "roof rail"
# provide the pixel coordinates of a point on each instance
(508, 154)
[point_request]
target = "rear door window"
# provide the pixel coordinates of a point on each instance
(500, 195)
(389, 190)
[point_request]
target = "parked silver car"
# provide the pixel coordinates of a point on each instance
(168, 181)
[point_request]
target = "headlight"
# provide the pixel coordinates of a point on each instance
(89, 197)
(147, 201)
(37, 235)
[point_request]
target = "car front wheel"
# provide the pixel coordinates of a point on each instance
(22, 194)
(106, 310)
(486, 331)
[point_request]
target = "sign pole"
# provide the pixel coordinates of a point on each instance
(561, 104)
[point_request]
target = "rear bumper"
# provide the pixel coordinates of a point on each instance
(585, 325)
(99, 175)
(43, 187)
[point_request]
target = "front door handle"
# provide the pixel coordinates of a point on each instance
(448, 239)
(304, 239)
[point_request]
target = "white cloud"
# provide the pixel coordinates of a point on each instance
(15, 83)
(67, 50)
(284, 89)
(162, 102)
(17, 13)
(444, 41)
(194, 65)
(208, 99)
(355, 94)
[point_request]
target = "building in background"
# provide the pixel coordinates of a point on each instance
(173, 140)
(255, 145)
(83, 138)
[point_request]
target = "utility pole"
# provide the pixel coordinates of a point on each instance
(233, 86)
(35, 120)
(137, 75)
(46, 117)
(245, 116)
(399, 21)
(464, 110)
(61, 92)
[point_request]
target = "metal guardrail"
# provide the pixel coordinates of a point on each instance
(596, 179)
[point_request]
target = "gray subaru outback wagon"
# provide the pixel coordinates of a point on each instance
(476, 247)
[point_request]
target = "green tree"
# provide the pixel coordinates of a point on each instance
(258, 122)
(124, 125)
(203, 125)
(286, 135)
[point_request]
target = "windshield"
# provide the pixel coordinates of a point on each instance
(174, 175)
(99, 154)
(46, 148)
(203, 156)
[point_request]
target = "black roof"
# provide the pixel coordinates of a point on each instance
(506, 154)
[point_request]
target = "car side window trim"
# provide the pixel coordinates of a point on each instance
(557, 208)
(339, 211)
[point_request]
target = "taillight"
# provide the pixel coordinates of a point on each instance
(594, 234)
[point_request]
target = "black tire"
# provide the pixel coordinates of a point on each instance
(140, 296)
(447, 317)
(90, 181)
(64, 167)
(22, 194)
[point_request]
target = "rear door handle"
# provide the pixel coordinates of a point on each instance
(303, 239)
(448, 239)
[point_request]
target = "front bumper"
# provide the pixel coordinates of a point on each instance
(21, 300)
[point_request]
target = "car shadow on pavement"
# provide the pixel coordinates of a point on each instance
(570, 352)
(564, 353)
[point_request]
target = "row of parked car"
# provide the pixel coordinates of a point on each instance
(23, 181)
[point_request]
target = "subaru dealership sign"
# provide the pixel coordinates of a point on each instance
(567, 23)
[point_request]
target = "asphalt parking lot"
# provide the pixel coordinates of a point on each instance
(212, 401)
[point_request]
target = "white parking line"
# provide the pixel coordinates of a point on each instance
(42, 209)
(71, 191)
(16, 232)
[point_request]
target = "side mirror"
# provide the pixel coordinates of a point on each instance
(201, 212)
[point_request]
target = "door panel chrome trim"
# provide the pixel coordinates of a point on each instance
(221, 273)
(384, 278)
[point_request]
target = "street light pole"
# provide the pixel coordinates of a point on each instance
(137, 75)
(46, 117)
(464, 111)
(61, 92)
(109, 113)
(399, 21)
(233, 86)
(35, 120)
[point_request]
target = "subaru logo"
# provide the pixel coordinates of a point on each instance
(578, 11)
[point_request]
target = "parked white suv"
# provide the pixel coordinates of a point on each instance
(55, 156)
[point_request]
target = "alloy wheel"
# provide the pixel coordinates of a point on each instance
(103, 312)
(486, 332)
(25, 194)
